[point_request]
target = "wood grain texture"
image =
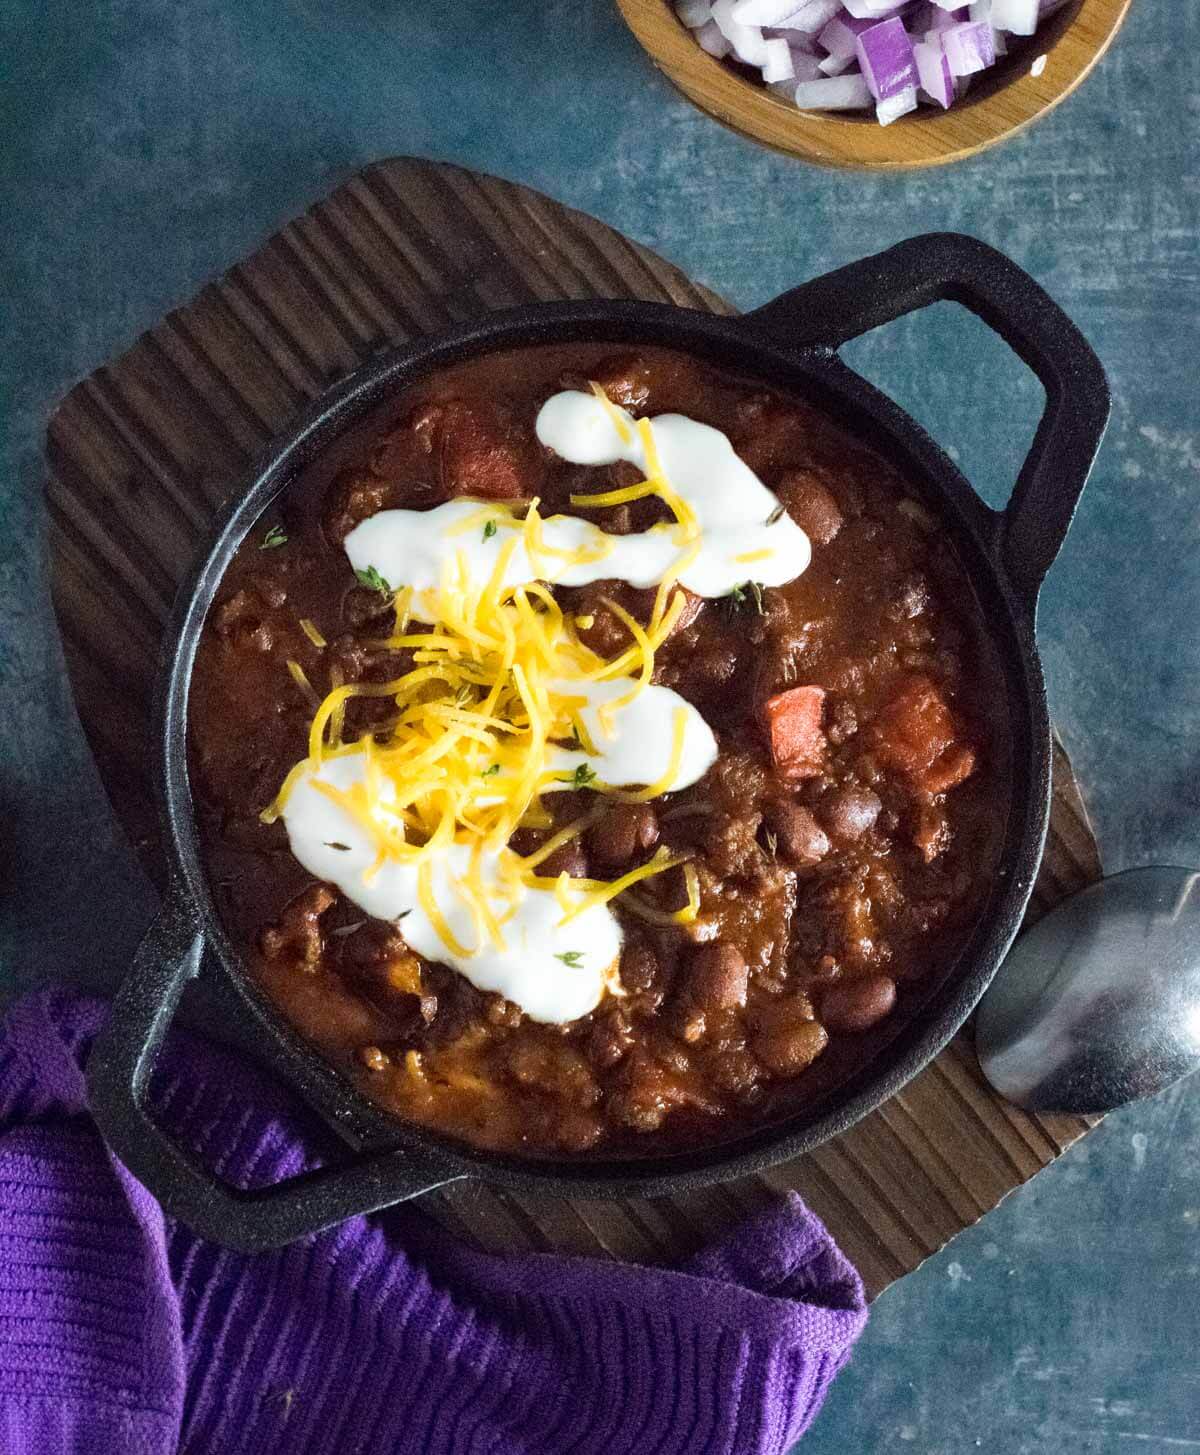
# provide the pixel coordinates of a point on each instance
(1000, 103)
(142, 454)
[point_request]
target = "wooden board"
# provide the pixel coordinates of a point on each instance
(143, 452)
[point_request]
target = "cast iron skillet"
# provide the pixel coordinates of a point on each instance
(790, 343)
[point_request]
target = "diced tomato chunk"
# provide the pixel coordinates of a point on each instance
(917, 735)
(483, 455)
(794, 729)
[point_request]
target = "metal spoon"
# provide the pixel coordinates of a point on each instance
(1099, 1003)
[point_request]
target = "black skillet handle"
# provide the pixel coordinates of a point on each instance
(118, 1075)
(835, 308)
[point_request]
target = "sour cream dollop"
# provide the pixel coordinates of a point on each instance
(743, 532)
(555, 972)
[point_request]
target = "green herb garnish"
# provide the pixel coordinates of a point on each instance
(747, 591)
(490, 772)
(573, 958)
(274, 538)
(489, 530)
(345, 848)
(776, 514)
(373, 581)
(582, 776)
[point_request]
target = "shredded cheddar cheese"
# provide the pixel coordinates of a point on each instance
(661, 862)
(686, 915)
(300, 678)
(494, 696)
(619, 422)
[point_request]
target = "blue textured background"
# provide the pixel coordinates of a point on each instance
(147, 144)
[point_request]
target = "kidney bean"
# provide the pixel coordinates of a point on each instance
(786, 1037)
(800, 839)
(373, 944)
(639, 967)
(858, 1004)
(734, 1071)
(569, 858)
(850, 812)
(787, 1050)
(625, 378)
(811, 505)
(575, 1130)
(626, 830)
(718, 976)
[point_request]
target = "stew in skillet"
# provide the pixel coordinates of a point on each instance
(597, 753)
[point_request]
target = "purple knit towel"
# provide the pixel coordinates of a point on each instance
(121, 1333)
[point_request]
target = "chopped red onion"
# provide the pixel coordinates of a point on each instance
(871, 9)
(969, 47)
(762, 12)
(777, 61)
(805, 67)
(810, 16)
(711, 39)
(840, 36)
(799, 40)
(694, 13)
(846, 55)
(746, 40)
(1018, 17)
(933, 70)
(900, 104)
(944, 19)
(885, 58)
(834, 93)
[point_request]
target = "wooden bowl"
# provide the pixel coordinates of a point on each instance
(1002, 101)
